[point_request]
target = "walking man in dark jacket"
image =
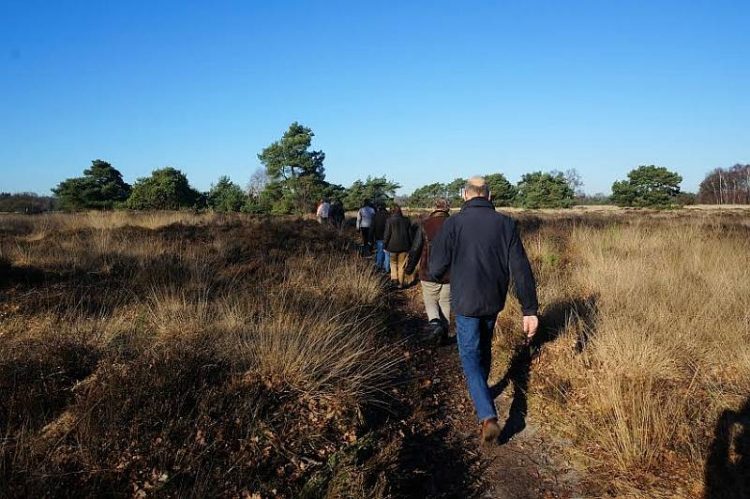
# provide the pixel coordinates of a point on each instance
(482, 249)
(435, 294)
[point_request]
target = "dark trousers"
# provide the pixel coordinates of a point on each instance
(365, 231)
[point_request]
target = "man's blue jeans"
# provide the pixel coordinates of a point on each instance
(474, 336)
(382, 258)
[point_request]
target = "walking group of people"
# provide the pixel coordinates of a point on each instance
(465, 263)
(330, 213)
(391, 234)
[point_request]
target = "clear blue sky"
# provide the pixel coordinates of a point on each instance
(417, 91)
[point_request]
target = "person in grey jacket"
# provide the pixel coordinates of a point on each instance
(364, 223)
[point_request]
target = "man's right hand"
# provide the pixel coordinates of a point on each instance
(530, 325)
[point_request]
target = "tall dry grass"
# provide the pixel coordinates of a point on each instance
(666, 345)
(184, 356)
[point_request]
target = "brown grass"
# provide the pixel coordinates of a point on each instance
(207, 355)
(662, 303)
(184, 355)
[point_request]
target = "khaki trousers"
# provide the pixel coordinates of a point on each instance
(398, 266)
(437, 300)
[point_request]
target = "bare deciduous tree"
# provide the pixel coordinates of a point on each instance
(258, 182)
(726, 186)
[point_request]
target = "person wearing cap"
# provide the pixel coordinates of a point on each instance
(482, 249)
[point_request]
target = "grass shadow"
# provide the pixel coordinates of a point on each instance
(437, 466)
(428, 459)
(11, 275)
(555, 319)
(560, 314)
(727, 472)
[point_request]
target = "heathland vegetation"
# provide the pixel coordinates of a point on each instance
(653, 348)
(186, 355)
(202, 354)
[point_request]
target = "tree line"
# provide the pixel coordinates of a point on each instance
(726, 186)
(293, 180)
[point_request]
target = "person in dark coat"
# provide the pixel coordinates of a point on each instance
(336, 214)
(382, 257)
(482, 249)
(435, 294)
(397, 240)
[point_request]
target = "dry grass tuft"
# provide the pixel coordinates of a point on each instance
(665, 344)
(182, 355)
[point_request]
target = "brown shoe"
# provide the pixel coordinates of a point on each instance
(490, 430)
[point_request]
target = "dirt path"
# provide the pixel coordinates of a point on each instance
(440, 453)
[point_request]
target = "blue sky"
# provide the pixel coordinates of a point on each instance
(417, 91)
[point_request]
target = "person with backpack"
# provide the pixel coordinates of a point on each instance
(382, 257)
(397, 240)
(364, 223)
(436, 295)
(482, 249)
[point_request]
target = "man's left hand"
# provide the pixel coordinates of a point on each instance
(530, 325)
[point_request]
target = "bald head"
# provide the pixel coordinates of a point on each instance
(476, 187)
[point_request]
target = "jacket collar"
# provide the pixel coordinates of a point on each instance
(478, 203)
(439, 213)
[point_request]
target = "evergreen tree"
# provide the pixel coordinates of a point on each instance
(226, 196)
(503, 193)
(297, 171)
(100, 188)
(376, 189)
(647, 186)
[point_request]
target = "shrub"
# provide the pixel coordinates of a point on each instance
(166, 189)
(545, 190)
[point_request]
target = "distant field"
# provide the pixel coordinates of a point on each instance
(194, 355)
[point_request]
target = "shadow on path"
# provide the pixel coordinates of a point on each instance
(437, 466)
(431, 458)
(557, 316)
